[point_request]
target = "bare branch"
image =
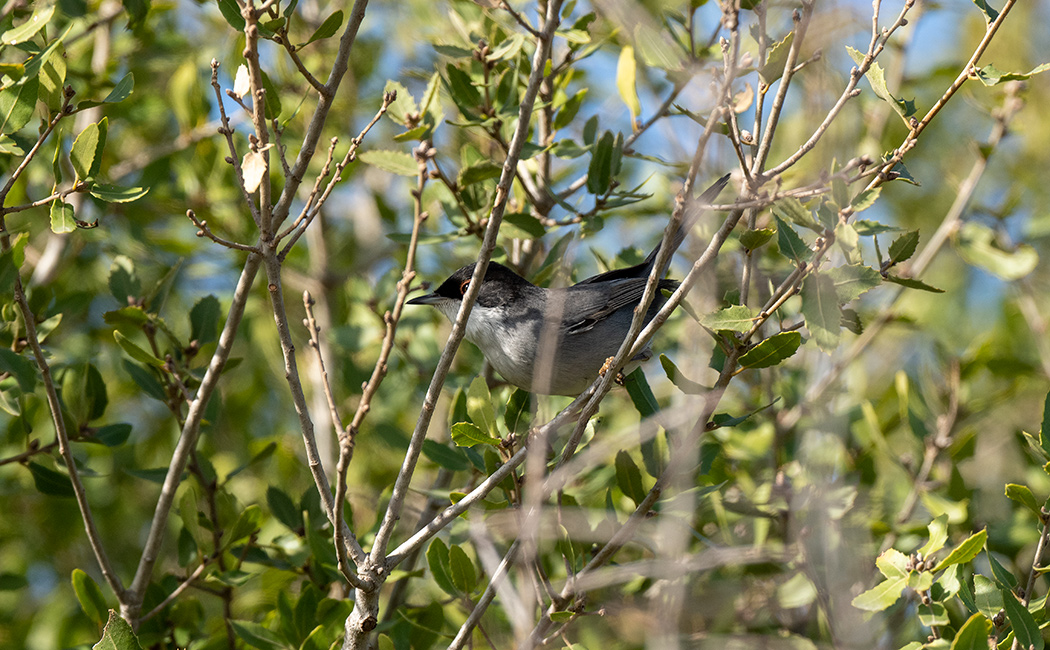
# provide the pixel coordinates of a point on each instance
(204, 231)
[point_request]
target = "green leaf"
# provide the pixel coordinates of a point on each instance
(1003, 578)
(853, 280)
(790, 244)
(599, 172)
(116, 193)
(629, 477)
(891, 563)
(865, 199)
(991, 76)
(821, 310)
(439, 564)
(257, 636)
(145, 380)
(63, 219)
(85, 149)
(84, 392)
(938, 536)
(445, 456)
(977, 245)
(877, 78)
(29, 29)
(283, 508)
(1044, 427)
(912, 283)
(123, 280)
(881, 596)
(990, 14)
(461, 570)
(973, 635)
(403, 105)
(52, 80)
(21, 368)
(1026, 630)
(903, 247)
(479, 406)
(480, 171)
(204, 320)
(965, 551)
(752, 239)
(327, 29)
(113, 435)
(12, 582)
(465, 434)
(17, 104)
(775, 60)
(792, 209)
(518, 411)
(738, 318)
(135, 352)
(90, 596)
(626, 74)
(122, 90)
(117, 635)
(568, 111)
(232, 13)
(462, 90)
(1022, 494)
(641, 394)
(50, 482)
(687, 386)
(771, 351)
(868, 228)
(394, 162)
(528, 225)
(247, 524)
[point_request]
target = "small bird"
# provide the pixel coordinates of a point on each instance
(556, 341)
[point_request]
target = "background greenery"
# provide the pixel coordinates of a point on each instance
(768, 528)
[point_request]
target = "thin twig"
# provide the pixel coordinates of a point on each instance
(55, 407)
(204, 231)
(404, 477)
(227, 131)
(351, 155)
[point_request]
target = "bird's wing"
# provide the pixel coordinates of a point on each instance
(590, 303)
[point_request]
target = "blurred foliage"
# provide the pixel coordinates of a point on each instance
(770, 535)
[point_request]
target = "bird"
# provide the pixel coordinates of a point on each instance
(557, 341)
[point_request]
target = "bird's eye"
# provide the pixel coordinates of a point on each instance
(463, 287)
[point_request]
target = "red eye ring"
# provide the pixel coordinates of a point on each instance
(463, 287)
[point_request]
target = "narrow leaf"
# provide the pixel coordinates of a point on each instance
(771, 351)
(84, 150)
(629, 477)
(122, 90)
(90, 597)
(965, 551)
(912, 283)
(328, 28)
(116, 193)
(1026, 630)
(29, 29)
(135, 352)
(881, 596)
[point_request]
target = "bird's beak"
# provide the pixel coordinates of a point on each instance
(428, 299)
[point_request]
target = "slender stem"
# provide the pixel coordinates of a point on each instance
(131, 606)
(400, 490)
(62, 435)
